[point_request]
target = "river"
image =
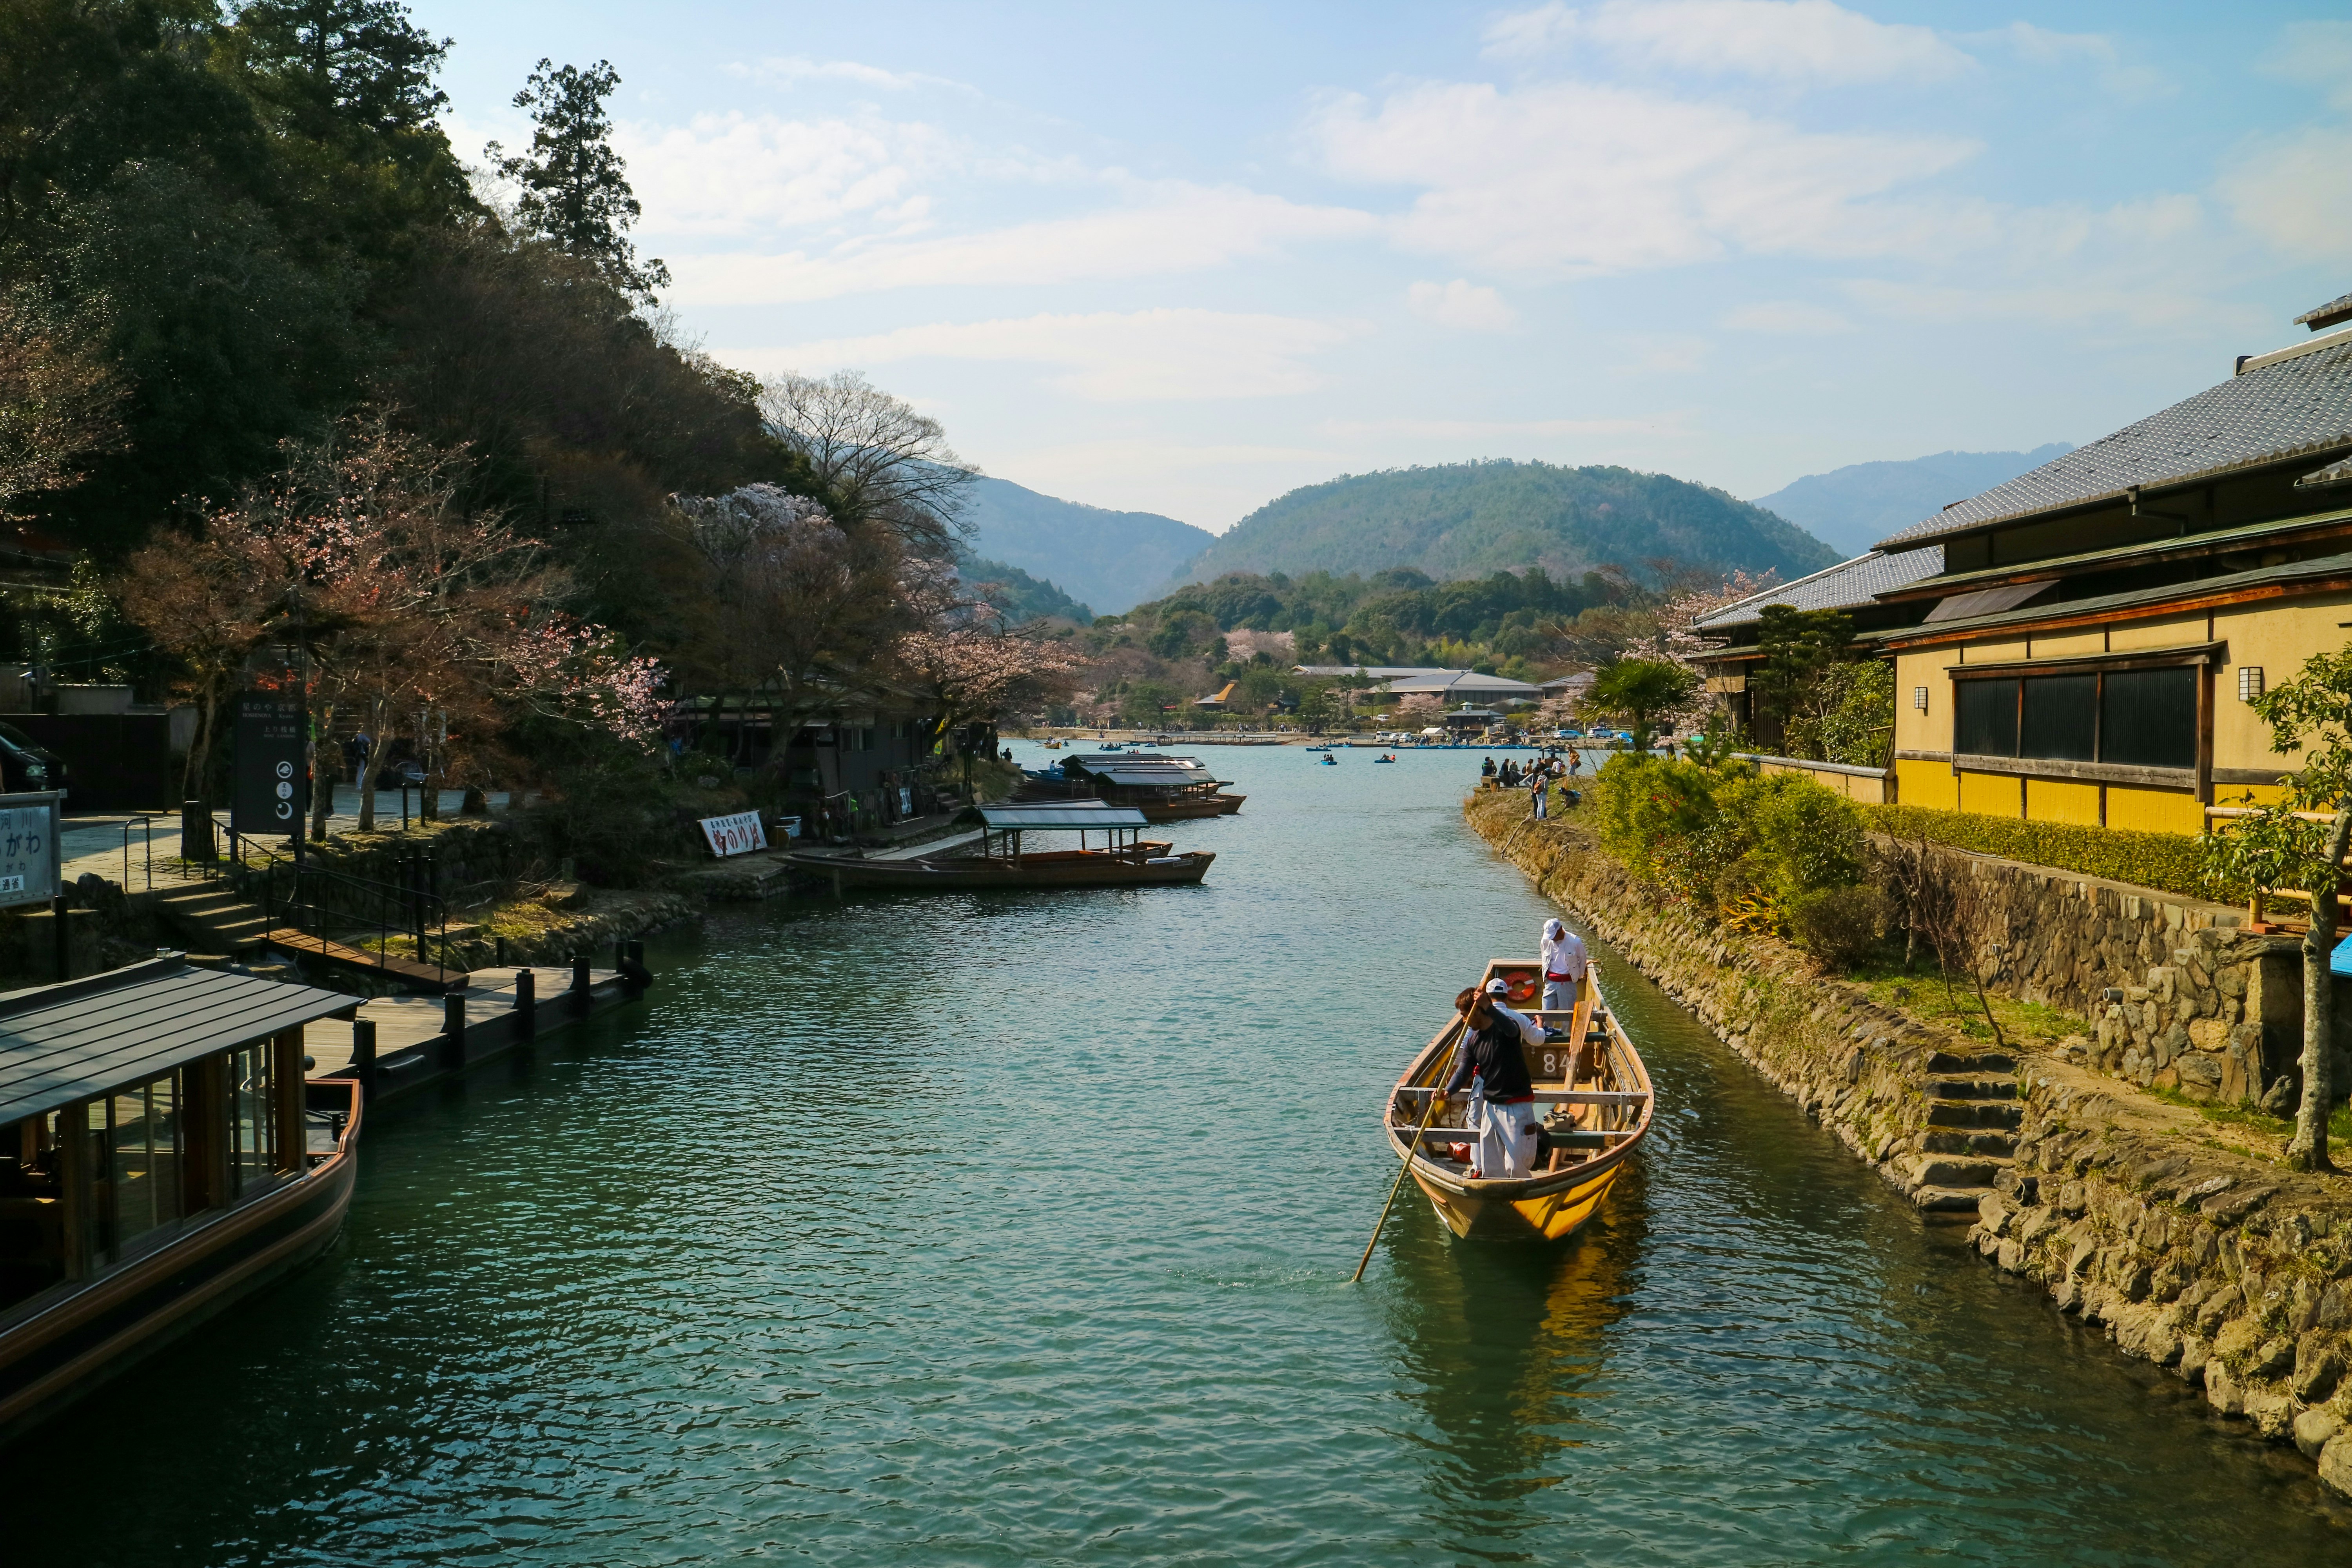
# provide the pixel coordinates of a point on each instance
(1016, 1230)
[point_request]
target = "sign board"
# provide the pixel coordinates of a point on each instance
(272, 787)
(28, 848)
(736, 835)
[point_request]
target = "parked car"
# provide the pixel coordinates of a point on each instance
(26, 765)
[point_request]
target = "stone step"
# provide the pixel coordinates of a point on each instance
(1949, 1141)
(1952, 1204)
(1943, 1171)
(1972, 1089)
(1961, 1061)
(2005, 1114)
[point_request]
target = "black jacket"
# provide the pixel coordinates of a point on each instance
(1495, 1054)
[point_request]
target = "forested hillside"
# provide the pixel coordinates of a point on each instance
(1854, 506)
(1465, 519)
(1112, 560)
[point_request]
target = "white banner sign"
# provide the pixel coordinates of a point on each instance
(28, 848)
(736, 835)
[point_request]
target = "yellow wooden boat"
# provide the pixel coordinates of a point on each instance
(1600, 1102)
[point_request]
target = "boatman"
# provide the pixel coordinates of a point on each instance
(1502, 1096)
(1564, 964)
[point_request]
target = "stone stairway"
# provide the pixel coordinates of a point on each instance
(1973, 1115)
(215, 920)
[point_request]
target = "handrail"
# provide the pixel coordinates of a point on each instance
(147, 825)
(299, 895)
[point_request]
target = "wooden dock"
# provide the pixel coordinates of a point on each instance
(415, 1044)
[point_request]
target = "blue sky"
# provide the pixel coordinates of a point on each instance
(1185, 257)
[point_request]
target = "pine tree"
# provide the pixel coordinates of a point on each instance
(575, 188)
(354, 63)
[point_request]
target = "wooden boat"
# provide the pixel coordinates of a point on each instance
(1126, 859)
(161, 1157)
(1164, 788)
(1602, 1105)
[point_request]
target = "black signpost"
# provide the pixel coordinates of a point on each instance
(272, 793)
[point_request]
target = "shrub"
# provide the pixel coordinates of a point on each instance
(2170, 862)
(1839, 925)
(1719, 835)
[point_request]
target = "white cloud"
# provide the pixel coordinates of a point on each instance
(2317, 53)
(2041, 47)
(1783, 40)
(787, 70)
(736, 173)
(2295, 193)
(1155, 355)
(1167, 226)
(1790, 317)
(1572, 178)
(1462, 304)
(1458, 430)
(2069, 304)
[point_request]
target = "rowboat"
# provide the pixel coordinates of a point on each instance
(1126, 859)
(1600, 1102)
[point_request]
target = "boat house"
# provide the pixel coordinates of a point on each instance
(2083, 643)
(161, 1154)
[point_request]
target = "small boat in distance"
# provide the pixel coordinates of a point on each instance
(1126, 859)
(1389, 758)
(1330, 762)
(1601, 1105)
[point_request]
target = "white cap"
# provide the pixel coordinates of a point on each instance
(1497, 988)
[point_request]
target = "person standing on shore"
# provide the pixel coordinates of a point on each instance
(1540, 794)
(1565, 963)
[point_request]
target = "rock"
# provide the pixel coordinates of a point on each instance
(2239, 1339)
(2312, 1428)
(2229, 1207)
(2194, 1355)
(2011, 1256)
(2072, 1199)
(2273, 1413)
(2318, 1365)
(1992, 1216)
(2222, 1391)
(2272, 1358)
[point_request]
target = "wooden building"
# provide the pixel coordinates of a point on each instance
(2083, 643)
(161, 1155)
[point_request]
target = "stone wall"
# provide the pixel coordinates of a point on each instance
(2214, 1263)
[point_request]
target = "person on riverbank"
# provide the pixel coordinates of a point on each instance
(1491, 1064)
(1565, 963)
(1486, 772)
(1541, 795)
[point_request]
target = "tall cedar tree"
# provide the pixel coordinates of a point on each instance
(575, 188)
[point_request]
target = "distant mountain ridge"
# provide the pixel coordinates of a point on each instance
(1112, 560)
(1854, 506)
(1465, 519)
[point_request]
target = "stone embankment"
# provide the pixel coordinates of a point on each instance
(2197, 1253)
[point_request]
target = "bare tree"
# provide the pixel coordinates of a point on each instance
(881, 460)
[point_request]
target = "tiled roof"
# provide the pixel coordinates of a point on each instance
(2337, 309)
(2299, 402)
(2336, 473)
(1849, 583)
(2290, 572)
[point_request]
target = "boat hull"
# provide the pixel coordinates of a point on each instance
(62, 1351)
(947, 874)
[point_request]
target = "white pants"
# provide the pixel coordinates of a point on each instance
(1506, 1138)
(1560, 997)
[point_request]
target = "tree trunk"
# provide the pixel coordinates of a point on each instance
(367, 781)
(2308, 1152)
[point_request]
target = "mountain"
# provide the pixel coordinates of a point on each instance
(1112, 560)
(1465, 519)
(1855, 507)
(1020, 596)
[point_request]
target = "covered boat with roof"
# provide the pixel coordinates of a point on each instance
(1124, 858)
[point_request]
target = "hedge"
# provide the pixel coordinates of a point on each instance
(2169, 862)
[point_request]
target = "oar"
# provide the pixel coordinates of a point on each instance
(1436, 1095)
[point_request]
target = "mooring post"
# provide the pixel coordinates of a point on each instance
(501, 960)
(452, 1030)
(582, 983)
(526, 1004)
(363, 1055)
(633, 966)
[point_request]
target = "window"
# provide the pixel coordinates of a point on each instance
(2149, 718)
(1985, 719)
(135, 1135)
(2131, 717)
(2061, 717)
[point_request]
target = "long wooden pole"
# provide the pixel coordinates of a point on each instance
(1436, 1095)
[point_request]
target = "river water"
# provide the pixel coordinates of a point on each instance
(1016, 1230)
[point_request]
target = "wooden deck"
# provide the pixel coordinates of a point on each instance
(431, 976)
(412, 1038)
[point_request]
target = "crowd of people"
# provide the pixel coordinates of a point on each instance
(1537, 778)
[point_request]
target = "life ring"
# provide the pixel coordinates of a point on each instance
(1522, 988)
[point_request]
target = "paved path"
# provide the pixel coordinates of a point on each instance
(97, 842)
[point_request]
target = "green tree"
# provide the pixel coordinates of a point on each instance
(1794, 684)
(342, 66)
(2278, 848)
(576, 190)
(1634, 692)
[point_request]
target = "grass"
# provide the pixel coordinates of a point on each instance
(1920, 993)
(2271, 1130)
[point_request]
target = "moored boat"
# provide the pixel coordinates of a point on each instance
(1125, 859)
(161, 1157)
(1602, 1106)
(1164, 788)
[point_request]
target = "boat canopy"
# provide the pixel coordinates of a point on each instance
(75, 1041)
(1048, 815)
(1147, 778)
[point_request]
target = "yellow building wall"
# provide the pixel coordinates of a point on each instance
(2276, 637)
(2166, 631)
(2062, 800)
(1989, 795)
(1927, 784)
(1931, 731)
(2069, 645)
(2153, 810)
(1993, 652)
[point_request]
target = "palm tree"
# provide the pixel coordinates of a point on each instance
(1637, 691)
